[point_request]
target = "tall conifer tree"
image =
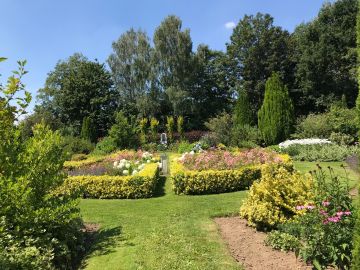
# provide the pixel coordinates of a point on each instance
(275, 117)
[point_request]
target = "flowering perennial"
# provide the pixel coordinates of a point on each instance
(287, 143)
(225, 160)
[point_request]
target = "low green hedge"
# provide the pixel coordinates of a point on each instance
(141, 185)
(212, 181)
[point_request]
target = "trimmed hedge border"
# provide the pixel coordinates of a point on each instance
(216, 181)
(141, 185)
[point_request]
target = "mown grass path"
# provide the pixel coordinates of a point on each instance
(166, 232)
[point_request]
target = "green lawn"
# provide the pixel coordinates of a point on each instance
(166, 232)
(169, 231)
(306, 166)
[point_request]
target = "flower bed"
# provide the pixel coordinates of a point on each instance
(220, 171)
(125, 174)
(140, 185)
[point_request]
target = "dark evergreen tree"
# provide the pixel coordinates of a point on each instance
(87, 130)
(275, 117)
(242, 112)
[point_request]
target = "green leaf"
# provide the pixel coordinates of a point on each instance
(2, 59)
(317, 265)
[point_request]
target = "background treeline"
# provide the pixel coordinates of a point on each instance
(165, 76)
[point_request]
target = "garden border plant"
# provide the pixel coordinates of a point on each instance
(141, 185)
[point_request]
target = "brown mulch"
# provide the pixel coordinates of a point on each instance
(247, 247)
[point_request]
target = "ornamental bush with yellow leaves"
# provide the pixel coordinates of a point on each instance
(141, 185)
(273, 199)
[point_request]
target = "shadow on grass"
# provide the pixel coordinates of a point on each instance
(160, 187)
(99, 242)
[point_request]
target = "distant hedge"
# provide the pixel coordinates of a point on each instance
(141, 185)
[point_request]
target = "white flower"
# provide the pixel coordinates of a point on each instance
(125, 172)
(148, 161)
(303, 142)
(134, 172)
(192, 153)
(115, 163)
(121, 165)
(137, 162)
(127, 165)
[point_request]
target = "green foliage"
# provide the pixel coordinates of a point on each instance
(123, 132)
(184, 146)
(87, 130)
(242, 111)
(220, 127)
(130, 65)
(75, 145)
(141, 185)
(356, 238)
(212, 181)
(273, 199)
(154, 125)
(39, 116)
(275, 116)
(170, 126)
(253, 59)
(79, 88)
(180, 126)
(325, 229)
(105, 146)
(143, 127)
(173, 62)
(37, 231)
(282, 241)
(325, 46)
(245, 136)
(338, 120)
(320, 152)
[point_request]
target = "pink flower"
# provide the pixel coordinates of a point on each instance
(325, 203)
(334, 219)
(347, 213)
(310, 207)
(300, 207)
(323, 212)
(340, 213)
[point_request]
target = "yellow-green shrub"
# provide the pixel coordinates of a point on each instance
(273, 199)
(72, 164)
(212, 181)
(141, 185)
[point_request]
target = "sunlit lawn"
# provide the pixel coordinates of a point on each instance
(305, 166)
(167, 232)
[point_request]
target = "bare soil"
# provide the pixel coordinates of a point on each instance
(247, 247)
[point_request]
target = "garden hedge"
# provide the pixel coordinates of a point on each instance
(212, 181)
(191, 182)
(141, 185)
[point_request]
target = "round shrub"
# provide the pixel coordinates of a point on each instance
(105, 146)
(273, 199)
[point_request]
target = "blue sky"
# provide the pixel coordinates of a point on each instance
(44, 31)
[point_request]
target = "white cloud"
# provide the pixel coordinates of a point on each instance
(230, 25)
